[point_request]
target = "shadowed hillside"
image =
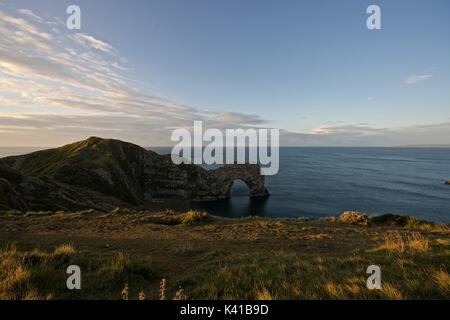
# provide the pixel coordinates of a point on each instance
(111, 167)
(111, 173)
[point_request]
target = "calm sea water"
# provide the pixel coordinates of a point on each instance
(315, 182)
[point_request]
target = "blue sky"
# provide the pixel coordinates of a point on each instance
(311, 68)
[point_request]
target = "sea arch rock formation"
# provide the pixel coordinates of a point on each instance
(106, 173)
(216, 184)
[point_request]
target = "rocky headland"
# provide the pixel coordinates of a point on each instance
(104, 173)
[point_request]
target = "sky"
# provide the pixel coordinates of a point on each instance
(139, 69)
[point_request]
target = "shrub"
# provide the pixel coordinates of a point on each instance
(354, 217)
(193, 217)
(401, 221)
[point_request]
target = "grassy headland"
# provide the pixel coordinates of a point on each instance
(218, 258)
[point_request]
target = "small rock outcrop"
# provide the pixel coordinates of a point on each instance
(106, 173)
(354, 217)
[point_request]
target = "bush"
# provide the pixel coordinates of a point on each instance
(401, 221)
(193, 217)
(354, 217)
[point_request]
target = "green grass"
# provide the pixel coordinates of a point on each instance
(403, 221)
(215, 258)
(290, 276)
(41, 275)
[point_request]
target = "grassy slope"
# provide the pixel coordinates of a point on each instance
(103, 165)
(48, 162)
(214, 258)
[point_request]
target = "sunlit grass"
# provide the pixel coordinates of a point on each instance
(64, 249)
(414, 242)
(38, 275)
(199, 256)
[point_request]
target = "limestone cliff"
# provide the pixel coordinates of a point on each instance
(104, 172)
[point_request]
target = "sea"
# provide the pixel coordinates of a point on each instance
(314, 182)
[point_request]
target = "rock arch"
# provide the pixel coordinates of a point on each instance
(105, 173)
(237, 185)
(215, 184)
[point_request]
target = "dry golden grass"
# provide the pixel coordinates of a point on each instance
(125, 292)
(16, 278)
(64, 249)
(120, 262)
(40, 275)
(442, 279)
(443, 242)
(417, 242)
(15, 282)
(354, 286)
(414, 242)
(264, 294)
(162, 289)
(390, 292)
(180, 294)
(32, 294)
(334, 291)
(215, 258)
(393, 242)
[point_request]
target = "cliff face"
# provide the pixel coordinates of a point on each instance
(100, 173)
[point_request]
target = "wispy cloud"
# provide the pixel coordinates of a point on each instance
(90, 41)
(30, 14)
(418, 78)
(58, 86)
(365, 135)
